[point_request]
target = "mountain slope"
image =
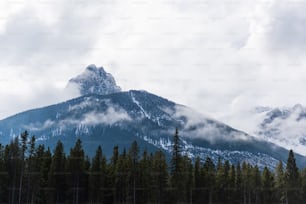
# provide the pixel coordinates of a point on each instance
(284, 126)
(120, 118)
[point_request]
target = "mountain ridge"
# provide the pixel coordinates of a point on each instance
(150, 125)
(104, 115)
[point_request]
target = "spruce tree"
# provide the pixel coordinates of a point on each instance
(256, 184)
(95, 176)
(44, 193)
(238, 184)
(267, 186)
(176, 169)
(280, 192)
(57, 174)
(209, 180)
(76, 166)
(292, 180)
(134, 162)
(303, 180)
(198, 181)
(111, 182)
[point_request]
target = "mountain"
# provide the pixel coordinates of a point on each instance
(284, 126)
(95, 80)
(118, 118)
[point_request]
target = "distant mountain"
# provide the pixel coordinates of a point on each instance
(95, 81)
(118, 118)
(284, 126)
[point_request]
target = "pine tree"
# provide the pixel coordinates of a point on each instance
(57, 174)
(198, 181)
(123, 179)
(76, 162)
(145, 178)
(24, 139)
(209, 180)
(186, 179)
(222, 181)
(256, 184)
(14, 164)
(134, 159)
(238, 184)
(160, 176)
(303, 180)
(231, 189)
(292, 180)
(246, 183)
(267, 186)
(97, 177)
(280, 193)
(176, 169)
(111, 182)
(31, 173)
(44, 192)
(3, 176)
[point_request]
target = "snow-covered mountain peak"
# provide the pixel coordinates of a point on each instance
(95, 80)
(284, 126)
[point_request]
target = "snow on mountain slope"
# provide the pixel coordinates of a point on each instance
(284, 126)
(120, 118)
(105, 116)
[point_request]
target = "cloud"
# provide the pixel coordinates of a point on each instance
(220, 57)
(111, 116)
(281, 26)
(196, 125)
(38, 126)
(89, 103)
(287, 131)
(42, 46)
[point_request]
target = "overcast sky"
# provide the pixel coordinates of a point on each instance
(220, 57)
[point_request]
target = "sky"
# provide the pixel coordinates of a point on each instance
(221, 57)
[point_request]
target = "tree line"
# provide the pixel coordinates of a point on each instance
(31, 173)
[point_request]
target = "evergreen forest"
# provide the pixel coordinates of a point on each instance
(32, 173)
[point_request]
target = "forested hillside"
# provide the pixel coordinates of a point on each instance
(33, 173)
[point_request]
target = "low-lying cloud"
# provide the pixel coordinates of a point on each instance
(286, 131)
(110, 117)
(38, 126)
(197, 125)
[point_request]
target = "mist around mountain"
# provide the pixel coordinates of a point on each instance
(284, 126)
(104, 115)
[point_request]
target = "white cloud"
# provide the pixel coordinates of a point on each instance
(110, 117)
(38, 126)
(219, 57)
(287, 131)
(206, 128)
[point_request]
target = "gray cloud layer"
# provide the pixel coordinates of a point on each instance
(219, 57)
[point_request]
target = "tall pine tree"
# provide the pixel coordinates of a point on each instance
(292, 180)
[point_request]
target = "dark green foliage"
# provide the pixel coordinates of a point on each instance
(267, 186)
(34, 174)
(57, 176)
(292, 180)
